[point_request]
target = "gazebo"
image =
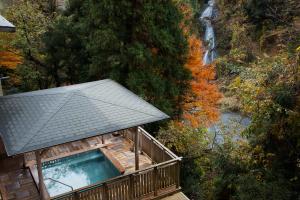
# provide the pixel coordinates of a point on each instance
(35, 121)
(6, 26)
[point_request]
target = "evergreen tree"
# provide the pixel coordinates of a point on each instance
(66, 53)
(137, 43)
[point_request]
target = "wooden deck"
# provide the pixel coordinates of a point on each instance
(17, 183)
(118, 146)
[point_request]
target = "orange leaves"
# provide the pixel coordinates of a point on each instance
(201, 105)
(9, 59)
(154, 51)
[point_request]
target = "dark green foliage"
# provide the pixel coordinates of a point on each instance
(273, 12)
(137, 43)
(66, 55)
(278, 135)
(191, 144)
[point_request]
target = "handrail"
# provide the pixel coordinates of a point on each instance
(60, 183)
(116, 178)
(160, 144)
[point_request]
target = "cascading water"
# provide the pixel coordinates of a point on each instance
(208, 15)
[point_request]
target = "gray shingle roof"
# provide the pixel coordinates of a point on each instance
(6, 26)
(44, 118)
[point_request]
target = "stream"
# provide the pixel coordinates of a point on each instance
(231, 124)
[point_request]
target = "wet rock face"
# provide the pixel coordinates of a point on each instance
(208, 15)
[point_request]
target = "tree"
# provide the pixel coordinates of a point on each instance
(201, 106)
(137, 43)
(201, 103)
(9, 56)
(65, 52)
(192, 145)
(269, 90)
(9, 59)
(31, 19)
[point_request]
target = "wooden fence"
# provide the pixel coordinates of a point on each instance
(154, 181)
(149, 145)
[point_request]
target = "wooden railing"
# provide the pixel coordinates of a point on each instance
(149, 145)
(154, 181)
(147, 183)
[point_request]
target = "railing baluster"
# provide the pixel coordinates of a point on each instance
(105, 191)
(177, 174)
(155, 180)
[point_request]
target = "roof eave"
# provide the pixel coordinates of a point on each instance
(7, 29)
(104, 133)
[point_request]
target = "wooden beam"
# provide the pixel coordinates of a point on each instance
(42, 188)
(136, 148)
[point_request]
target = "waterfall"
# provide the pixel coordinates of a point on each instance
(208, 15)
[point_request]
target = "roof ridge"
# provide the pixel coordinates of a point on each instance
(44, 122)
(96, 84)
(140, 98)
(116, 104)
(37, 92)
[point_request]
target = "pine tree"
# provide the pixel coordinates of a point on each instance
(137, 43)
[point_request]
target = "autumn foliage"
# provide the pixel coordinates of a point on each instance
(201, 104)
(9, 59)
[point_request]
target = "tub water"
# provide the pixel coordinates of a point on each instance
(77, 171)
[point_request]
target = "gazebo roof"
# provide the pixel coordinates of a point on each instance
(40, 119)
(6, 26)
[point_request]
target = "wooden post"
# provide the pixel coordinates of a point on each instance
(140, 141)
(102, 139)
(76, 196)
(136, 148)
(42, 188)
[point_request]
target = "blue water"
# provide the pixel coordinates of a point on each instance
(77, 171)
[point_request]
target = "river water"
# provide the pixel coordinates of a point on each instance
(231, 124)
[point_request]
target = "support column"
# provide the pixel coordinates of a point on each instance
(42, 188)
(136, 148)
(102, 139)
